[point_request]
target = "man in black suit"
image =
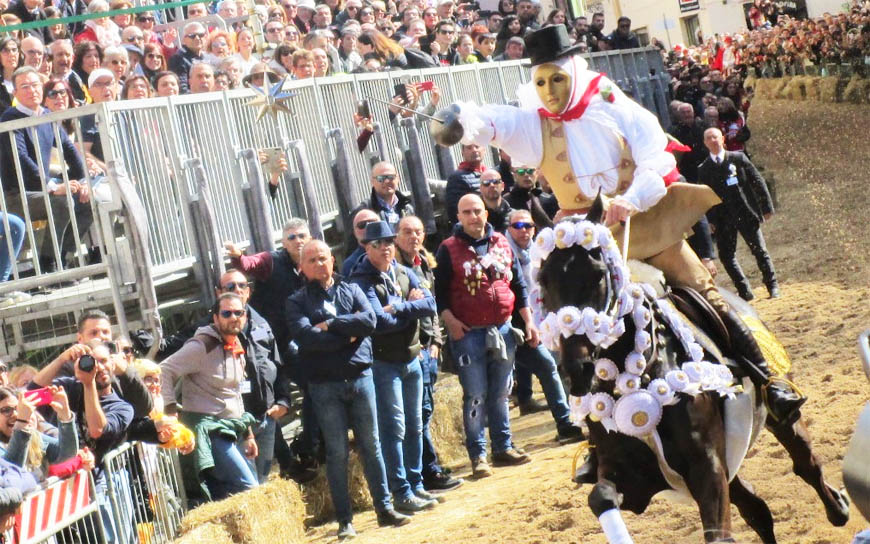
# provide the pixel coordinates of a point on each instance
(746, 203)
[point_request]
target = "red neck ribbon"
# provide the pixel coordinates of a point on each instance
(577, 110)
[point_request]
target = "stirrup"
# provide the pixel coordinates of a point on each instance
(794, 414)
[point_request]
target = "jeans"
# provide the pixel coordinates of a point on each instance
(231, 473)
(340, 405)
(399, 396)
(429, 367)
(117, 514)
(264, 433)
(16, 236)
(539, 361)
(486, 386)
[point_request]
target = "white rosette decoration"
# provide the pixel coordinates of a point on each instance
(605, 237)
(700, 373)
(637, 414)
(585, 235)
(696, 352)
(550, 332)
(641, 316)
(642, 341)
(600, 406)
(545, 241)
(564, 234)
(680, 382)
(579, 408)
(662, 392)
(636, 292)
(569, 319)
(635, 363)
(627, 383)
(606, 370)
(624, 303)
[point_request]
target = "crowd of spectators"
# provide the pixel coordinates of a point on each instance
(776, 44)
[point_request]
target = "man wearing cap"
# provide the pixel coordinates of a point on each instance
(588, 138)
(192, 41)
(332, 321)
(478, 285)
(399, 302)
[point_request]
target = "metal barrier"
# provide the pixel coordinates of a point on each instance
(145, 493)
(170, 152)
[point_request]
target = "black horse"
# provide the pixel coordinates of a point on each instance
(692, 432)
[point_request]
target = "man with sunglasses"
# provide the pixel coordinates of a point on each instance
(491, 190)
(331, 320)
(360, 219)
(193, 41)
(442, 46)
(399, 303)
(386, 199)
(537, 360)
(213, 367)
(526, 195)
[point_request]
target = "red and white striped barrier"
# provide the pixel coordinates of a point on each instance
(45, 512)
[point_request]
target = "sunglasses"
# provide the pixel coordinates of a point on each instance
(127, 350)
(488, 182)
(8, 410)
(226, 314)
(522, 225)
(362, 224)
(53, 94)
(132, 39)
(300, 236)
(194, 35)
(145, 19)
(378, 244)
(525, 171)
(233, 285)
(385, 177)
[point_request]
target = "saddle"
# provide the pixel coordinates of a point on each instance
(701, 313)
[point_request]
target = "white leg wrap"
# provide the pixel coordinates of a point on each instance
(614, 527)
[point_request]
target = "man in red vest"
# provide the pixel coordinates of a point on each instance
(477, 284)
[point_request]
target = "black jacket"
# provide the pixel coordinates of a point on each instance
(498, 217)
(692, 136)
(746, 200)
(423, 266)
(397, 335)
(459, 183)
(180, 63)
(342, 352)
(270, 296)
(404, 206)
(535, 201)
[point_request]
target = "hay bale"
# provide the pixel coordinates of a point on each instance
(856, 90)
(779, 90)
(318, 501)
(446, 427)
(273, 512)
(812, 87)
(828, 89)
(750, 82)
(796, 88)
(447, 435)
(762, 88)
(208, 532)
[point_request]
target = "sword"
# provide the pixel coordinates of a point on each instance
(431, 117)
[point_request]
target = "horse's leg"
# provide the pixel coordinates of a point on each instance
(752, 509)
(796, 440)
(604, 501)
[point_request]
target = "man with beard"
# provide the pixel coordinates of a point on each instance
(212, 365)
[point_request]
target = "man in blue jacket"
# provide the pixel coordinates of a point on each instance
(28, 94)
(331, 320)
(399, 301)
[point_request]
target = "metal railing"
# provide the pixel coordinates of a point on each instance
(178, 165)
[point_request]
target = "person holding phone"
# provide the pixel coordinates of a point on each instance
(18, 428)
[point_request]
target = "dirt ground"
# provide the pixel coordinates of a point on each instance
(820, 157)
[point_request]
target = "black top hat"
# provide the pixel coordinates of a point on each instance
(378, 230)
(549, 43)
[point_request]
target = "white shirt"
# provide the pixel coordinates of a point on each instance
(718, 158)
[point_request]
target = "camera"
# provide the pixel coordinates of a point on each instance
(87, 363)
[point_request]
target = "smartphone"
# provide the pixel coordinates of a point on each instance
(87, 363)
(425, 85)
(40, 397)
(401, 91)
(113, 348)
(362, 109)
(273, 161)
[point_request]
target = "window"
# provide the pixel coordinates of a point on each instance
(642, 35)
(691, 26)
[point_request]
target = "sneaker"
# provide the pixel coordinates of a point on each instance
(480, 468)
(391, 518)
(413, 504)
(426, 496)
(346, 531)
(441, 482)
(509, 458)
(532, 406)
(569, 433)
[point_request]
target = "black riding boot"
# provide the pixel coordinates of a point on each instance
(783, 403)
(587, 473)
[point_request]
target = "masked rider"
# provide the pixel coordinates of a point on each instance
(587, 136)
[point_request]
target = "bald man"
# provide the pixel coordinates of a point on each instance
(478, 284)
(331, 321)
(386, 200)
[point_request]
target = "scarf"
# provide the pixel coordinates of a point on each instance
(466, 166)
(234, 347)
